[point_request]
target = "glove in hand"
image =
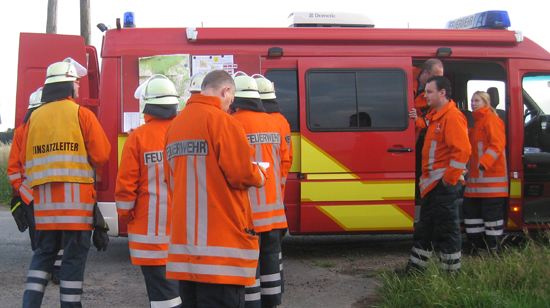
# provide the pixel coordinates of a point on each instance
(100, 238)
(19, 213)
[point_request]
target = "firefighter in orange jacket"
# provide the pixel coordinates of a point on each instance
(444, 157)
(487, 186)
(267, 95)
(141, 194)
(422, 113)
(62, 143)
(265, 136)
(24, 212)
(271, 106)
(213, 248)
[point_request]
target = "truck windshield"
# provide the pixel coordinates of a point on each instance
(538, 88)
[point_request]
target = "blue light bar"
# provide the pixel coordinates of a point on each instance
(483, 20)
(129, 20)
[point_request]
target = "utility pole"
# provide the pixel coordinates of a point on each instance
(51, 23)
(85, 30)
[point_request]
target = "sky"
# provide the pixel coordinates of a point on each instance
(528, 16)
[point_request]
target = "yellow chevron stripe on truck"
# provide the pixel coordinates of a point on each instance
(356, 190)
(368, 217)
(318, 161)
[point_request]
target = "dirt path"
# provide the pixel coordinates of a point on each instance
(326, 271)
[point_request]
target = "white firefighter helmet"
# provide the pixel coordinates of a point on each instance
(196, 82)
(157, 90)
(67, 70)
(245, 86)
(265, 87)
(35, 99)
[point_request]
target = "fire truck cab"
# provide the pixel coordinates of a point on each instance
(346, 90)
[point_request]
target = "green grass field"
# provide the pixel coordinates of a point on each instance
(520, 277)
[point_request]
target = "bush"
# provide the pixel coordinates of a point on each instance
(5, 187)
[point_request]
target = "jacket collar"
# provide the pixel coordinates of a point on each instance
(207, 100)
(148, 118)
(481, 112)
(444, 110)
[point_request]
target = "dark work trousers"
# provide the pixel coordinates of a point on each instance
(48, 243)
(439, 226)
(29, 215)
(418, 161)
(484, 221)
(59, 258)
(210, 295)
(162, 292)
(266, 291)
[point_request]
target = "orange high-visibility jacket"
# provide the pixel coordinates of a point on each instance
(285, 130)
(16, 170)
(265, 136)
(141, 194)
(209, 170)
(64, 205)
(446, 148)
(488, 142)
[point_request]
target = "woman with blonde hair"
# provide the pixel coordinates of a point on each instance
(487, 186)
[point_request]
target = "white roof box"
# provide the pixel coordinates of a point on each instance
(329, 19)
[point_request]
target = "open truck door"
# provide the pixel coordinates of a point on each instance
(36, 52)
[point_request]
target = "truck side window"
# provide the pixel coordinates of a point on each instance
(536, 105)
(351, 100)
(286, 90)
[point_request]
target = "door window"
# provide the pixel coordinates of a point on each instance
(351, 100)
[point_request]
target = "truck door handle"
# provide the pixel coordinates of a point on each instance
(400, 150)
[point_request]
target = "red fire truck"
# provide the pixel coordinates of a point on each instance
(348, 176)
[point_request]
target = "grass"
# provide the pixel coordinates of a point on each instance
(5, 187)
(520, 277)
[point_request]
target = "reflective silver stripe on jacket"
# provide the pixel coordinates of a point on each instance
(63, 220)
(149, 239)
(211, 269)
(148, 254)
(125, 205)
(457, 165)
(26, 191)
(160, 195)
(269, 221)
(57, 158)
(197, 201)
(486, 189)
(14, 176)
(492, 153)
(214, 251)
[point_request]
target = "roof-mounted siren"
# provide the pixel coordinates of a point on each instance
(483, 20)
(328, 19)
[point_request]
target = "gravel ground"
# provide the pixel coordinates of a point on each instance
(320, 271)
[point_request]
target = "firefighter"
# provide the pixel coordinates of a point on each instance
(422, 113)
(141, 194)
(22, 202)
(62, 143)
(213, 248)
(487, 186)
(16, 173)
(264, 134)
(444, 157)
(271, 106)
